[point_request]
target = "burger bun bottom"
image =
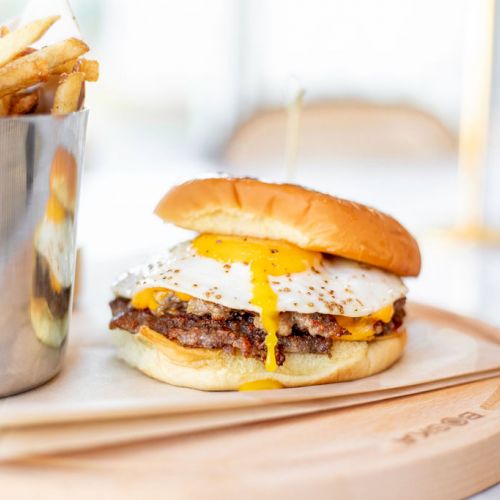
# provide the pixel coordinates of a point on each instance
(216, 370)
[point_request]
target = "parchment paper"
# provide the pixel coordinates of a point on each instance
(20, 442)
(65, 27)
(97, 386)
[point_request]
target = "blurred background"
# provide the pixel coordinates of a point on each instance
(189, 86)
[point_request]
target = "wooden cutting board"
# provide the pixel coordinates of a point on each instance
(439, 444)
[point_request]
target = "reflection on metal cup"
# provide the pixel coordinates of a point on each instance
(40, 171)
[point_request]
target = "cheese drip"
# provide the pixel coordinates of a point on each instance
(150, 298)
(265, 258)
(363, 328)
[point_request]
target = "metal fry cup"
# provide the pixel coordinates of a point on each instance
(40, 172)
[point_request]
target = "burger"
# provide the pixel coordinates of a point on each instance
(281, 287)
(54, 254)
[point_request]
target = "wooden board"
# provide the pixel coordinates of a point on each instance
(439, 444)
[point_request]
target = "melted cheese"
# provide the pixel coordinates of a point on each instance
(150, 298)
(260, 385)
(265, 258)
(363, 328)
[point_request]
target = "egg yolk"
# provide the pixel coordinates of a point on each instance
(265, 258)
(260, 385)
(363, 328)
(150, 298)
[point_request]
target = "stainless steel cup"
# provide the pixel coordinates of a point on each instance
(40, 170)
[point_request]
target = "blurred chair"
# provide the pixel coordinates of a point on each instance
(342, 130)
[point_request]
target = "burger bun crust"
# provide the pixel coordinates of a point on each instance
(306, 218)
(215, 370)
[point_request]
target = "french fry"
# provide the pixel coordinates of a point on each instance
(5, 105)
(16, 41)
(89, 68)
(67, 98)
(66, 67)
(22, 67)
(35, 67)
(62, 52)
(23, 73)
(26, 52)
(23, 104)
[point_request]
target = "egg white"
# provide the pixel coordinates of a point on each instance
(337, 286)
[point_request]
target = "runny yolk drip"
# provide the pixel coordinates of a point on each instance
(265, 258)
(150, 298)
(260, 385)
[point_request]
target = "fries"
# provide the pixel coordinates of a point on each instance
(88, 67)
(66, 67)
(23, 104)
(25, 52)
(23, 71)
(68, 93)
(5, 105)
(16, 41)
(62, 52)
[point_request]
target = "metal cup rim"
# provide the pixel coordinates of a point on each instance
(44, 116)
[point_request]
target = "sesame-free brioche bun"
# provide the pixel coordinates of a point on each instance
(306, 218)
(216, 370)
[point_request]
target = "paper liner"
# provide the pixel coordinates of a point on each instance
(65, 27)
(95, 385)
(16, 443)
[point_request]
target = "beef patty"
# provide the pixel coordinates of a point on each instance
(211, 326)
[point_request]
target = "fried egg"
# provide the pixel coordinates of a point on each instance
(267, 277)
(330, 285)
